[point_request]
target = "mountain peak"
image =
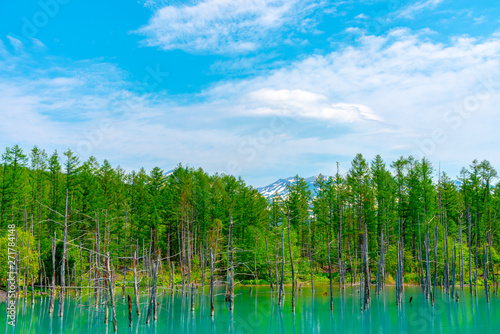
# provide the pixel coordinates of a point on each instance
(279, 187)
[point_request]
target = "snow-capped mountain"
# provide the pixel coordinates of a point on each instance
(280, 187)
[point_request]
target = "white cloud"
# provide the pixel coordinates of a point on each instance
(88, 107)
(222, 26)
(351, 112)
(387, 95)
(17, 44)
(303, 104)
(38, 43)
(479, 20)
(3, 52)
(411, 10)
(393, 91)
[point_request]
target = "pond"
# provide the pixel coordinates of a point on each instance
(256, 311)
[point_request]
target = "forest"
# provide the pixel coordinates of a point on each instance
(406, 222)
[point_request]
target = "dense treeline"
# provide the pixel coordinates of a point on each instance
(352, 225)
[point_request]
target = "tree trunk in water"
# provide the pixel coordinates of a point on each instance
(152, 298)
(278, 289)
(435, 263)
(181, 264)
(341, 267)
(211, 283)
(453, 271)
(469, 244)
(255, 259)
(492, 265)
(27, 273)
(111, 285)
(282, 292)
(380, 273)
(291, 263)
(355, 264)
(106, 298)
(367, 269)
(230, 283)
(310, 261)
(136, 290)
(53, 285)
(461, 253)
(485, 261)
(129, 311)
(192, 297)
(81, 270)
(202, 265)
(329, 269)
(188, 241)
(350, 263)
(63, 292)
(40, 279)
(32, 291)
(427, 266)
(476, 262)
(446, 255)
(125, 250)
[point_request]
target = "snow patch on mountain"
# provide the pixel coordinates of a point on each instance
(279, 187)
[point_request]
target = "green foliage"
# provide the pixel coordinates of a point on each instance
(72, 256)
(25, 250)
(185, 213)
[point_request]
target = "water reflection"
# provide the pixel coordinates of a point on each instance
(258, 311)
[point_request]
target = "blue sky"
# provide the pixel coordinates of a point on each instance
(258, 88)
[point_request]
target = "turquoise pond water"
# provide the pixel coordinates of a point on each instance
(257, 312)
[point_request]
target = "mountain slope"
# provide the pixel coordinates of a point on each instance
(279, 187)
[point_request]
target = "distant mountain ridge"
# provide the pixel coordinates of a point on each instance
(279, 187)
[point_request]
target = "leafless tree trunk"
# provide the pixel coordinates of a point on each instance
(136, 290)
(291, 264)
(111, 287)
(63, 291)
